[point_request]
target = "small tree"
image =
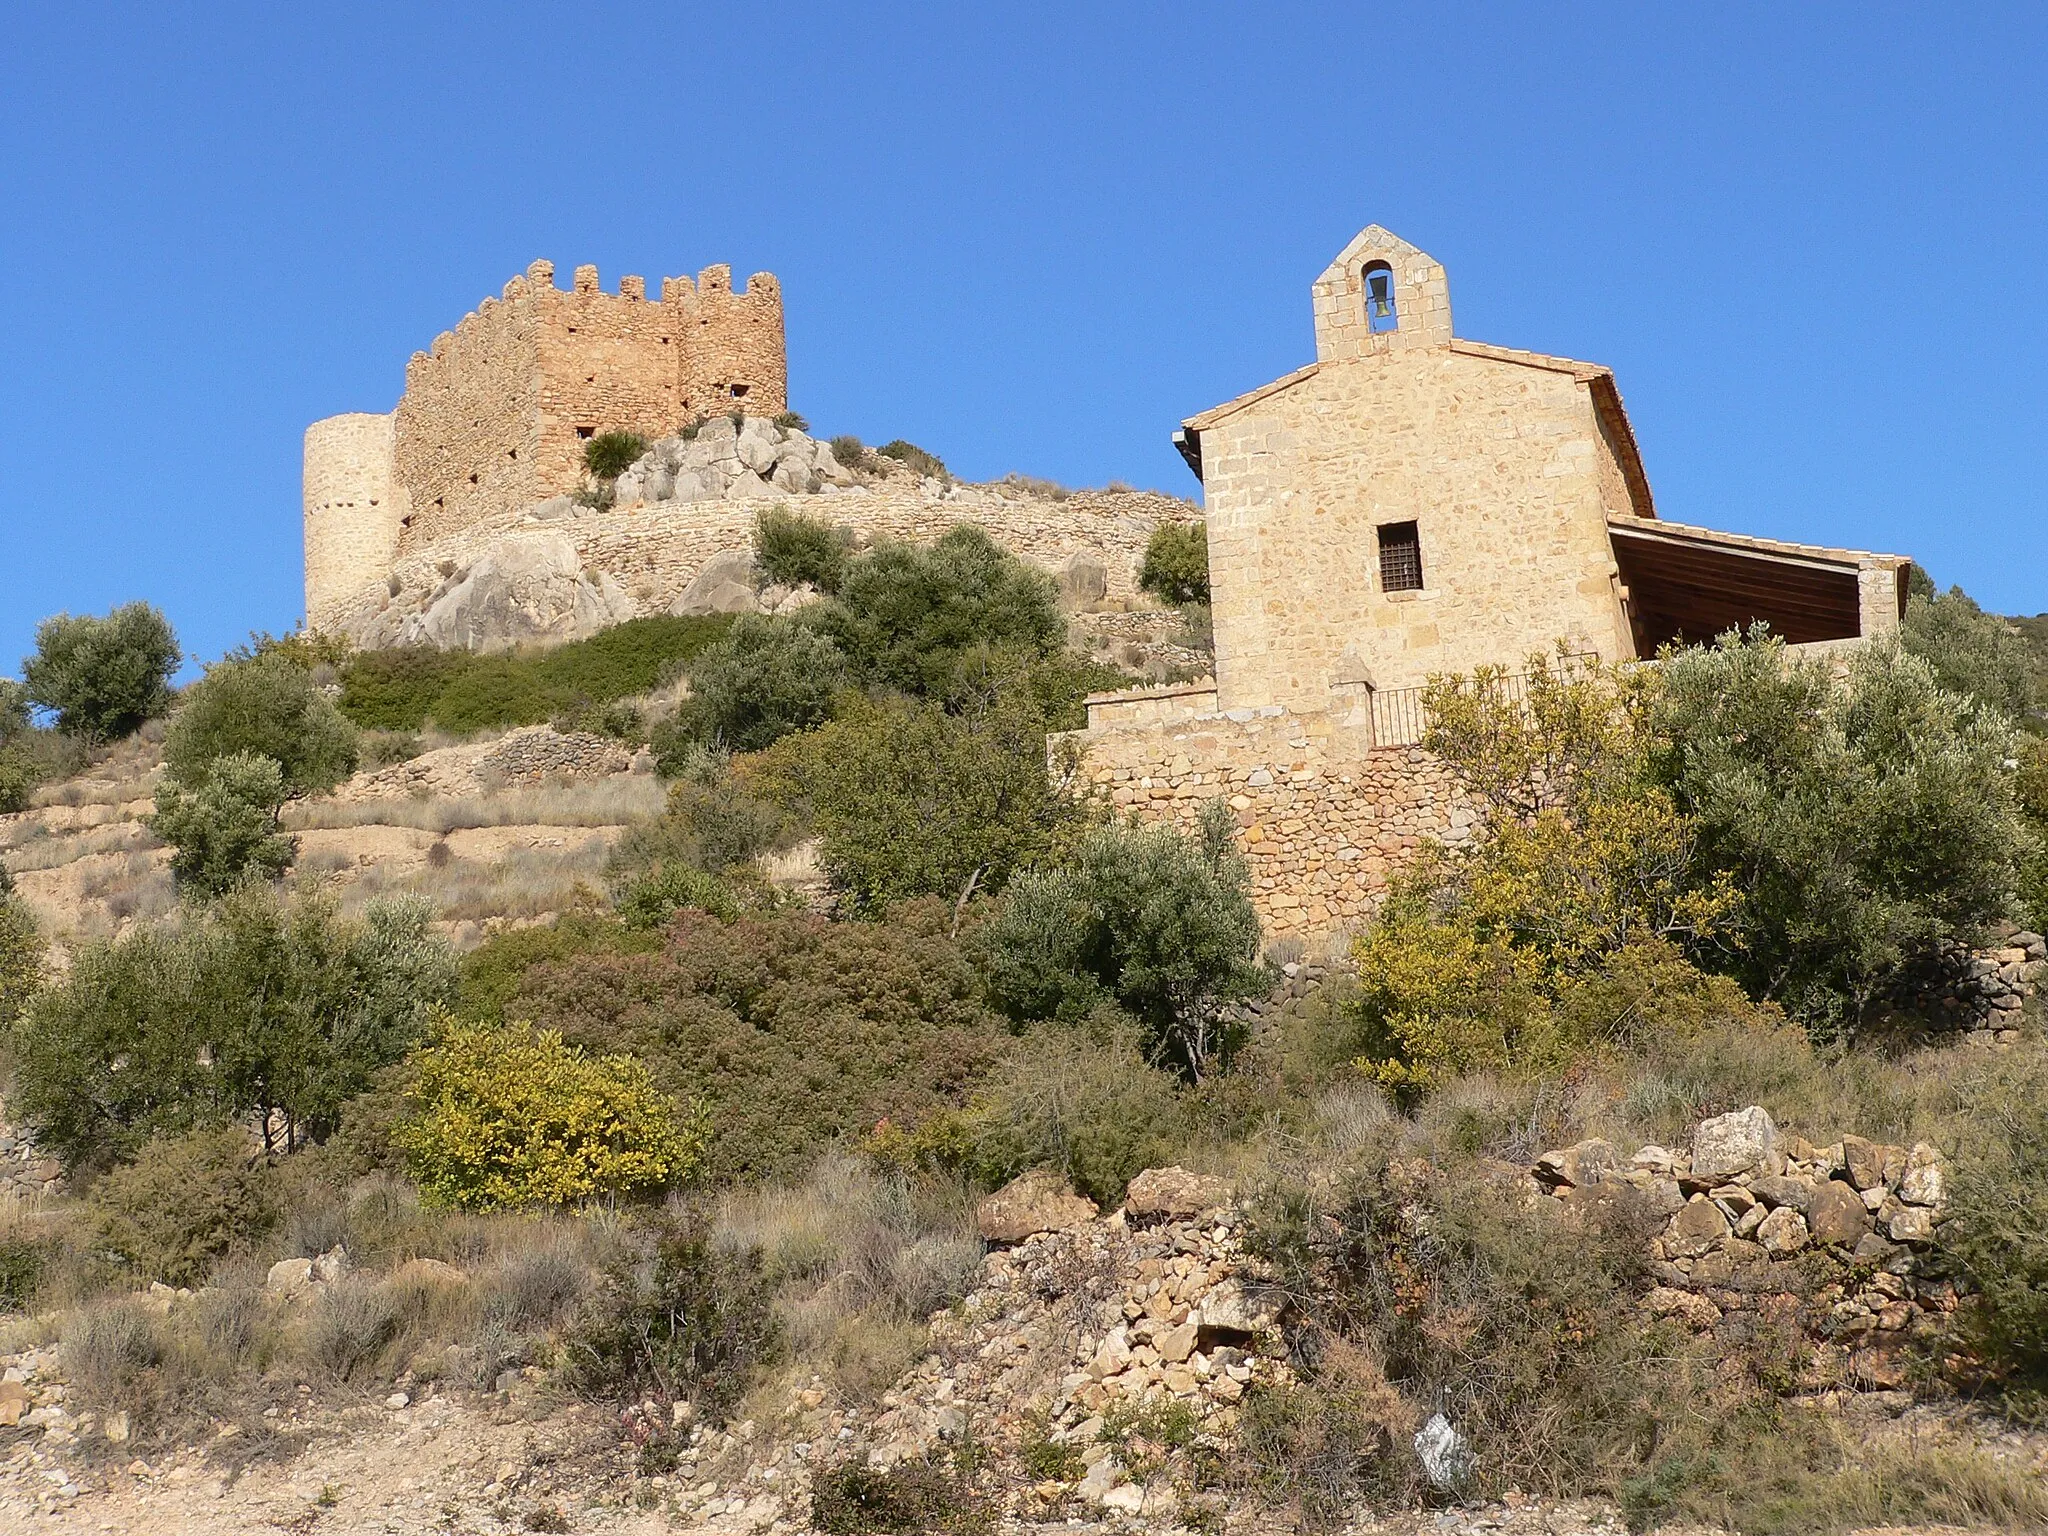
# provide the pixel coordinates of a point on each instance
(269, 706)
(506, 1117)
(1973, 652)
(226, 825)
(766, 678)
(1176, 565)
(935, 621)
(103, 677)
(610, 454)
(1861, 822)
(1156, 923)
(909, 800)
(249, 1008)
(792, 549)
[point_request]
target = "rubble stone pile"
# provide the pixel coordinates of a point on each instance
(1765, 1229)
(522, 758)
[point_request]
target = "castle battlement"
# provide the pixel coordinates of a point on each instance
(495, 411)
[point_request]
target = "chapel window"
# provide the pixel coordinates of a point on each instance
(1400, 557)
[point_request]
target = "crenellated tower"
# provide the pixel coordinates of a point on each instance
(496, 411)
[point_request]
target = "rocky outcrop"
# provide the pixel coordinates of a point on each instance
(724, 461)
(1765, 1229)
(520, 588)
(1028, 1205)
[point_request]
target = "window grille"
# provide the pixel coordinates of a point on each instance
(1400, 558)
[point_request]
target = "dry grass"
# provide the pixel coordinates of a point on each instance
(859, 1261)
(56, 849)
(608, 802)
(527, 882)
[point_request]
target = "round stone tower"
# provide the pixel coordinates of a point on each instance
(352, 509)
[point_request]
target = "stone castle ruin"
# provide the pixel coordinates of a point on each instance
(1413, 503)
(454, 519)
(495, 413)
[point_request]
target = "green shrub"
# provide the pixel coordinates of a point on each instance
(848, 450)
(1175, 567)
(907, 1499)
(494, 972)
(250, 1009)
(713, 822)
(1861, 823)
(1974, 653)
(406, 688)
(792, 548)
(225, 825)
(266, 706)
(18, 781)
(22, 1261)
(1998, 1217)
(610, 454)
(933, 620)
(103, 677)
(1095, 1111)
(650, 896)
(183, 1204)
(909, 801)
(1159, 924)
(799, 1033)
(790, 421)
(507, 1117)
(677, 1315)
(21, 958)
(915, 458)
(766, 678)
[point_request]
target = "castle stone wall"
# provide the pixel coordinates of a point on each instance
(495, 414)
(1324, 818)
(352, 509)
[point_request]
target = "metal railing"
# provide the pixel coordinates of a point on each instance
(1400, 719)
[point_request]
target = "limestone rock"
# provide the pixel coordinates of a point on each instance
(525, 588)
(1835, 1214)
(1734, 1143)
(1786, 1190)
(1669, 1301)
(1174, 1192)
(1865, 1161)
(724, 585)
(1039, 1201)
(1912, 1224)
(1783, 1231)
(1586, 1163)
(1695, 1229)
(1238, 1307)
(289, 1276)
(1922, 1182)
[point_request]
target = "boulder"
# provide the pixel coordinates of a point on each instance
(1739, 1142)
(1864, 1161)
(1039, 1201)
(1083, 580)
(1174, 1192)
(1922, 1182)
(1835, 1214)
(746, 486)
(1669, 1301)
(287, 1277)
(1783, 1231)
(1911, 1224)
(1695, 1229)
(525, 588)
(1237, 1307)
(793, 476)
(1784, 1189)
(725, 584)
(1585, 1163)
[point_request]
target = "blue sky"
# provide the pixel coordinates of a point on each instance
(1812, 241)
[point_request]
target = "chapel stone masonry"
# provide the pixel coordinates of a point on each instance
(1412, 504)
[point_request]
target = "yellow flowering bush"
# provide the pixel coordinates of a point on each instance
(503, 1115)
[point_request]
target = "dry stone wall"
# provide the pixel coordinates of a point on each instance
(1833, 1245)
(1325, 818)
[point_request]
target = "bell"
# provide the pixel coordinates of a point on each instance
(1381, 286)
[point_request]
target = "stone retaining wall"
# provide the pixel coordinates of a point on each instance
(1324, 817)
